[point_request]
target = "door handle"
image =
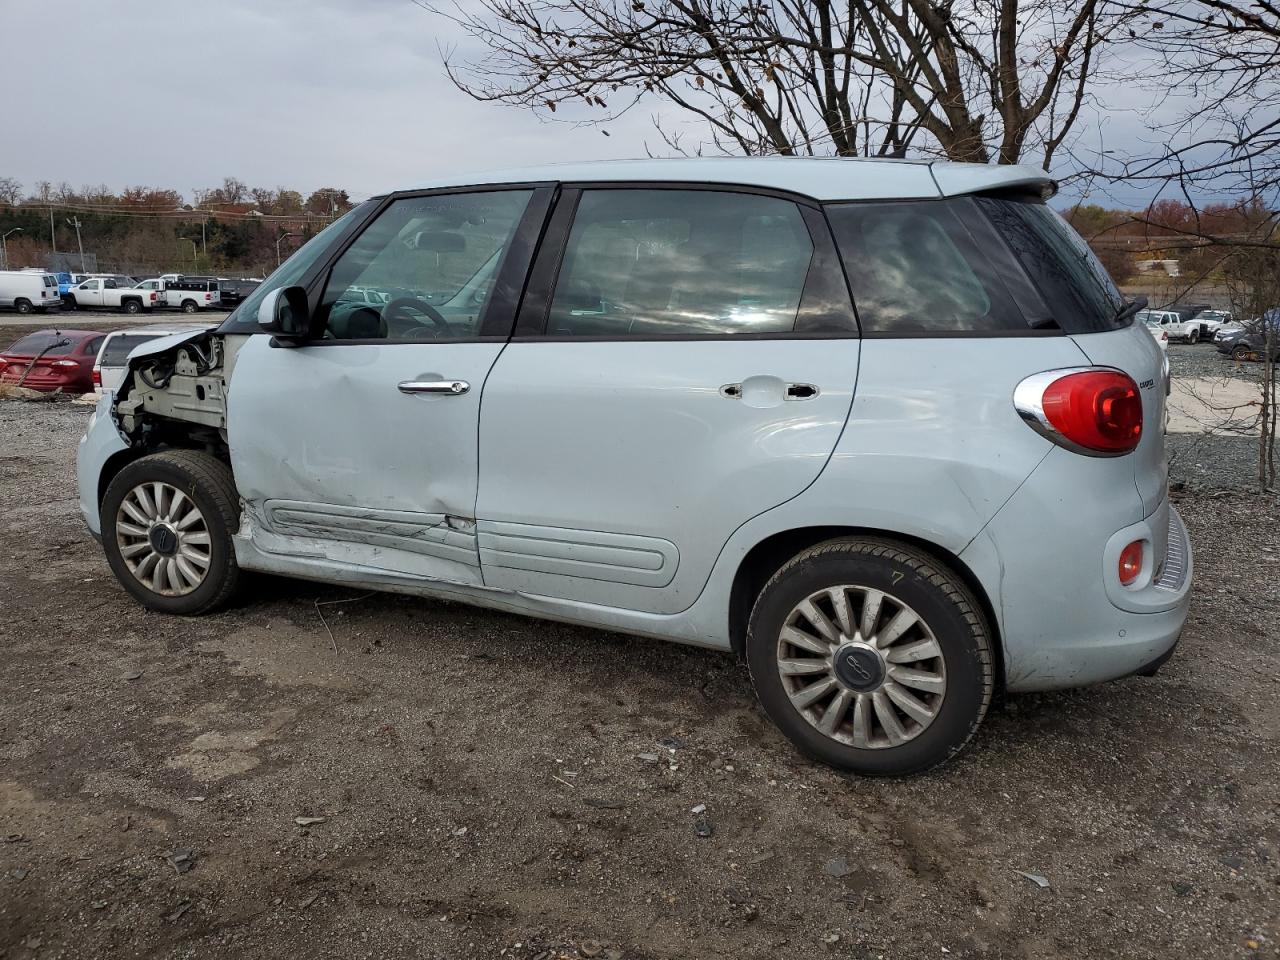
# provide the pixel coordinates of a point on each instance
(790, 391)
(452, 388)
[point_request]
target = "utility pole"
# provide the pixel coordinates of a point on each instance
(4, 247)
(204, 240)
(53, 237)
(282, 237)
(75, 222)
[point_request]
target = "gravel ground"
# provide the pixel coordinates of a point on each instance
(492, 786)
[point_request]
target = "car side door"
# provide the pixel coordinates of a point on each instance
(685, 360)
(89, 293)
(355, 450)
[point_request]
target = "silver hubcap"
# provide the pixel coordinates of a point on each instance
(163, 539)
(861, 666)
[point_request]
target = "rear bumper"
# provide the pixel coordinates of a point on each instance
(99, 444)
(1050, 572)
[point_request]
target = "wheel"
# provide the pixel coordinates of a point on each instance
(167, 522)
(1241, 352)
(131, 306)
(871, 656)
(1193, 336)
(189, 306)
(22, 305)
(70, 303)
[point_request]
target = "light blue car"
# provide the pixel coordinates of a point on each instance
(885, 429)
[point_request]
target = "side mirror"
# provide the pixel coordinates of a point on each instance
(285, 313)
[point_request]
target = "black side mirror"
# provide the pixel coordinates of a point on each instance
(285, 313)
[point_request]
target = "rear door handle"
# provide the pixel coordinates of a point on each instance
(790, 391)
(451, 388)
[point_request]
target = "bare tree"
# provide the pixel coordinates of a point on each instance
(965, 79)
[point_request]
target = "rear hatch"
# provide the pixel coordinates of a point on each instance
(1073, 292)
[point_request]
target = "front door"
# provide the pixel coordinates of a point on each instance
(358, 449)
(689, 365)
(89, 294)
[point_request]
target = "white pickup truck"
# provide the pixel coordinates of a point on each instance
(1171, 323)
(107, 293)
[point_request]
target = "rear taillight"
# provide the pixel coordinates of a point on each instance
(64, 364)
(97, 377)
(208, 297)
(153, 296)
(1130, 565)
(1091, 410)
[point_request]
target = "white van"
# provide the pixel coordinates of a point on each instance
(25, 290)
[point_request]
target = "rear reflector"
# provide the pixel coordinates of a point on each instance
(1130, 562)
(1096, 411)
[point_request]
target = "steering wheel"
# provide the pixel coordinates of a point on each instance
(395, 311)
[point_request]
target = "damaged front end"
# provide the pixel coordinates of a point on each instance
(174, 394)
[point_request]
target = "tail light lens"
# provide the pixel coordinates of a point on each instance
(1092, 410)
(208, 296)
(64, 364)
(97, 377)
(1130, 565)
(153, 296)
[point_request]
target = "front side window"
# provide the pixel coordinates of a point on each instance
(915, 269)
(424, 270)
(655, 263)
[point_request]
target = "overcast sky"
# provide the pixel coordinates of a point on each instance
(295, 93)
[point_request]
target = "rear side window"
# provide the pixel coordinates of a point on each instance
(915, 268)
(118, 348)
(1081, 295)
(649, 264)
(34, 343)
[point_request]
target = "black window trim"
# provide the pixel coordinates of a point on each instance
(535, 309)
(964, 214)
(510, 277)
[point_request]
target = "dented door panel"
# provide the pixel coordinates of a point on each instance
(334, 461)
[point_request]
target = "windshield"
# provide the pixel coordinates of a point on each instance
(293, 269)
(1083, 298)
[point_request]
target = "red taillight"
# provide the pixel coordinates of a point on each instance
(153, 296)
(208, 297)
(97, 377)
(1092, 411)
(64, 364)
(1130, 565)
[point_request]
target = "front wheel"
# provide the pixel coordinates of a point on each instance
(871, 656)
(22, 306)
(1241, 352)
(167, 523)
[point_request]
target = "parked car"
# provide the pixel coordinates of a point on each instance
(233, 291)
(107, 293)
(27, 291)
(1159, 332)
(1211, 321)
(1173, 323)
(1251, 346)
(50, 360)
(190, 295)
(688, 432)
(111, 364)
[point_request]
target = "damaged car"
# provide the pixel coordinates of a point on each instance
(887, 430)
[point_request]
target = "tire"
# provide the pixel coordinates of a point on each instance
(131, 306)
(189, 306)
(70, 303)
(949, 641)
(1241, 352)
(1193, 336)
(203, 481)
(22, 305)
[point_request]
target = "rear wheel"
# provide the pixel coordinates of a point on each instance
(189, 306)
(167, 523)
(871, 656)
(22, 305)
(131, 306)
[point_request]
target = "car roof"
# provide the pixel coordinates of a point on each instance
(823, 178)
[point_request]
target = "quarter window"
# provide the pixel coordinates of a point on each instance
(424, 269)
(657, 263)
(914, 268)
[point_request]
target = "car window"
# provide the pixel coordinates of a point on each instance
(423, 270)
(656, 263)
(33, 343)
(92, 347)
(1084, 297)
(915, 268)
(119, 346)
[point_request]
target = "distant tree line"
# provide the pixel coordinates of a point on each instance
(231, 229)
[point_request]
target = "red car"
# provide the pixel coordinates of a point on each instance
(59, 360)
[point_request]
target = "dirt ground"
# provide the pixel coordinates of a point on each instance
(492, 786)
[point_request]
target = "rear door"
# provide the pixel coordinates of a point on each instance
(685, 360)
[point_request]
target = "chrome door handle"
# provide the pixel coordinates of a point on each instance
(451, 388)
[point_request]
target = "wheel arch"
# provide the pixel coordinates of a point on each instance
(764, 559)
